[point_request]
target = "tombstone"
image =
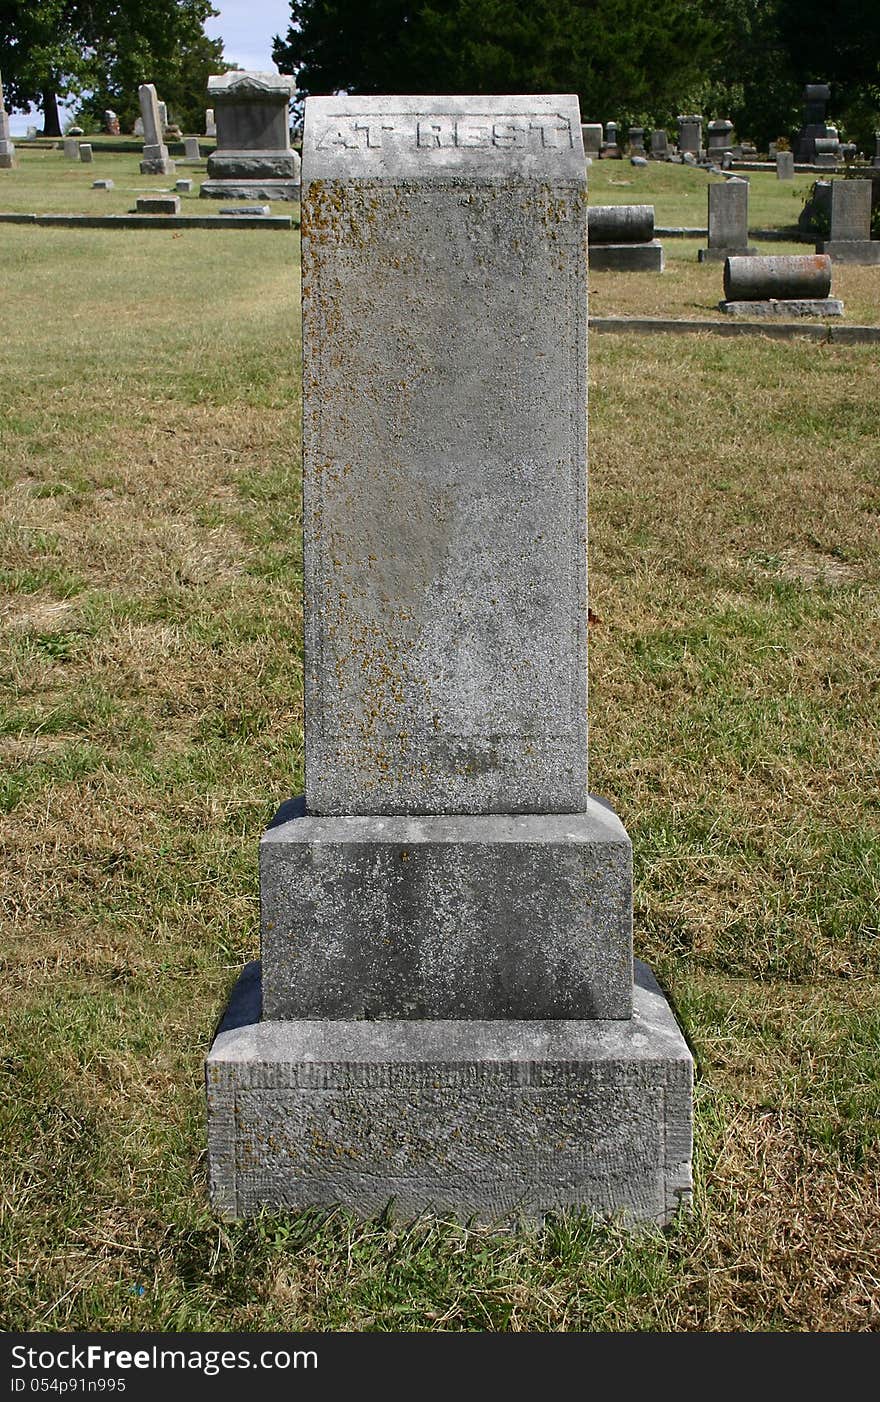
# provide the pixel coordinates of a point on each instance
(7, 148)
(139, 127)
(249, 211)
(621, 239)
(158, 204)
(877, 148)
(156, 160)
(111, 122)
(102, 184)
(816, 142)
(610, 149)
(690, 136)
(31, 134)
(849, 240)
(592, 136)
(253, 158)
(636, 137)
(785, 165)
(446, 1014)
(191, 148)
(659, 145)
(163, 117)
(71, 148)
(210, 124)
(719, 135)
(728, 221)
(183, 186)
(772, 150)
(85, 152)
(783, 285)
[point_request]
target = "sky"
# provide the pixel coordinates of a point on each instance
(246, 28)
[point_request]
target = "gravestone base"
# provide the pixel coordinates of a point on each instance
(627, 257)
(802, 306)
(156, 161)
(480, 1120)
(480, 916)
(864, 251)
(289, 190)
(718, 255)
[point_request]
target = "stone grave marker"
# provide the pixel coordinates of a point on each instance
(785, 165)
(158, 204)
(191, 148)
(720, 138)
(156, 160)
(690, 136)
(728, 221)
(7, 148)
(71, 148)
(659, 145)
(85, 152)
(621, 238)
(184, 187)
(210, 124)
(592, 135)
(850, 238)
(253, 159)
(779, 285)
(446, 1013)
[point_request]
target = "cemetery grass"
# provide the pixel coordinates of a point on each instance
(150, 666)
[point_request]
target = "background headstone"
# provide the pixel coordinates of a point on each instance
(253, 158)
(7, 149)
(849, 240)
(719, 138)
(728, 221)
(191, 148)
(156, 160)
(85, 152)
(71, 148)
(690, 136)
(785, 165)
(210, 124)
(659, 144)
(592, 136)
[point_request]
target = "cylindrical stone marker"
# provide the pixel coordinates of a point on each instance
(621, 223)
(785, 277)
(444, 455)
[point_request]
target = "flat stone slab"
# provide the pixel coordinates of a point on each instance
(289, 190)
(479, 1119)
(863, 251)
(158, 204)
(102, 184)
(453, 916)
(149, 221)
(807, 306)
(250, 211)
(627, 257)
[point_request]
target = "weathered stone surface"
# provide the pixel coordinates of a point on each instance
(728, 221)
(158, 204)
(788, 276)
(237, 211)
(487, 916)
(191, 148)
(210, 124)
(659, 144)
(719, 136)
(7, 149)
(156, 160)
(690, 135)
(85, 152)
(620, 223)
(592, 137)
(485, 1119)
(801, 306)
(850, 209)
(288, 190)
(626, 257)
(863, 251)
(102, 184)
(785, 165)
(184, 187)
(71, 148)
(444, 435)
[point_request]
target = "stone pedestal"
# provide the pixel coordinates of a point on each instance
(253, 158)
(446, 1016)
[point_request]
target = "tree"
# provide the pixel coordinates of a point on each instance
(623, 58)
(106, 49)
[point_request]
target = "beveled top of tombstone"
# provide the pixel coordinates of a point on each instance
(249, 85)
(492, 138)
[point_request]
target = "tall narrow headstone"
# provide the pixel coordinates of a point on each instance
(7, 149)
(156, 160)
(253, 158)
(849, 240)
(70, 146)
(659, 145)
(636, 138)
(210, 124)
(610, 147)
(728, 221)
(448, 1010)
(163, 117)
(593, 136)
(85, 152)
(785, 165)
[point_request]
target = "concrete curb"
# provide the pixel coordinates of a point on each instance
(767, 235)
(781, 331)
(152, 221)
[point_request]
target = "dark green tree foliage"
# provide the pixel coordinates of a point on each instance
(52, 49)
(624, 58)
